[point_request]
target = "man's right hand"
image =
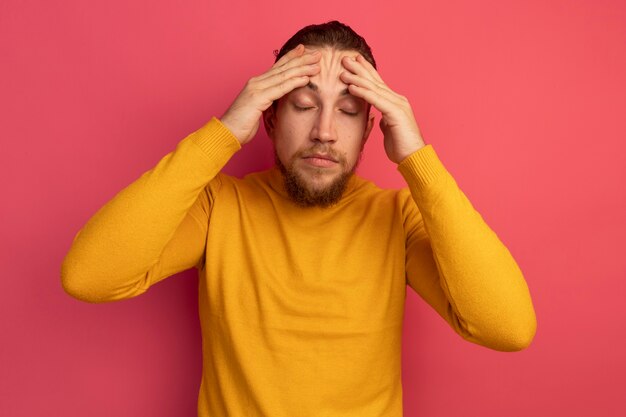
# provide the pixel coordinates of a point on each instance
(291, 71)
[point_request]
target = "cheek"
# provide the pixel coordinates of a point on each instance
(291, 123)
(352, 133)
(355, 148)
(288, 140)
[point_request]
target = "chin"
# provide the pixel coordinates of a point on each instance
(317, 179)
(310, 189)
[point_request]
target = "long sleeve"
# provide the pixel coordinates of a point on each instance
(458, 265)
(153, 228)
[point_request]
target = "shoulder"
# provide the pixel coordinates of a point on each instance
(367, 189)
(398, 200)
(367, 192)
(226, 184)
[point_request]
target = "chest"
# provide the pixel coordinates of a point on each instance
(344, 267)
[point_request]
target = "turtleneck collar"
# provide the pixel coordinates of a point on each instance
(277, 183)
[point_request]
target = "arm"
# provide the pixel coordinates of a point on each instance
(454, 260)
(458, 265)
(153, 228)
(157, 225)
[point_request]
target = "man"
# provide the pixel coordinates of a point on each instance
(303, 268)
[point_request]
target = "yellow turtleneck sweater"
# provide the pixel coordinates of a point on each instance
(301, 308)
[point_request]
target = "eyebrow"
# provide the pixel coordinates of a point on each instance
(311, 85)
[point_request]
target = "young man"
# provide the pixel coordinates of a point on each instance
(303, 268)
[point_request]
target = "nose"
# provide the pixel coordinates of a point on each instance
(324, 129)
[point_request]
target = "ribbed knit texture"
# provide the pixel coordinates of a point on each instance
(302, 308)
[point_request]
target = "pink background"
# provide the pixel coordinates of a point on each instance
(524, 101)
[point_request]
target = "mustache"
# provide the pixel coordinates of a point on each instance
(321, 150)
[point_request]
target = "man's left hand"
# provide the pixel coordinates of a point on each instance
(402, 136)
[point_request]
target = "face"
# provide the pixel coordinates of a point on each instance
(319, 132)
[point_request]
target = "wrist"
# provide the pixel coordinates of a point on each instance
(409, 150)
(227, 123)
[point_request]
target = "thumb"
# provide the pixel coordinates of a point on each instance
(383, 125)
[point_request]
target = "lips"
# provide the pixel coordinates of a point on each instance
(326, 157)
(320, 160)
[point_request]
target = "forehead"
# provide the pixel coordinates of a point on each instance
(331, 55)
(327, 81)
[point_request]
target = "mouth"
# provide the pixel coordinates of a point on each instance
(320, 160)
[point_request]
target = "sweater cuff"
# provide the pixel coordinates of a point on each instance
(422, 168)
(216, 141)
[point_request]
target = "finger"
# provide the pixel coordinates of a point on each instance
(277, 91)
(369, 67)
(381, 103)
(298, 50)
(355, 67)
(279, 77)
(383, 90)
(306, 59)
(381, 98)
(361, 66)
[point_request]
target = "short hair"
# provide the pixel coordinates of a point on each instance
(334, 34)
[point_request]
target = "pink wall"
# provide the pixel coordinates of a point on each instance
(523, 100)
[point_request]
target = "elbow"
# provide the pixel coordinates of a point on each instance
(76, 285)
(512, 327)
(524, 328)
(92, 285)
(527, 335)
(517, 335)
(504, 335)
(76, 292)
(73, 273)
(521, 339)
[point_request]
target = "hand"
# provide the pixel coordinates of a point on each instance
(291, 71)
(402, 136)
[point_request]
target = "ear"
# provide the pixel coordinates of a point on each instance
(368, 128)
(269, 120)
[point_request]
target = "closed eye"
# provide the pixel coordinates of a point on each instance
(346, 112)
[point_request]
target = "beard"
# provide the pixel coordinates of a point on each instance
(305, 195)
